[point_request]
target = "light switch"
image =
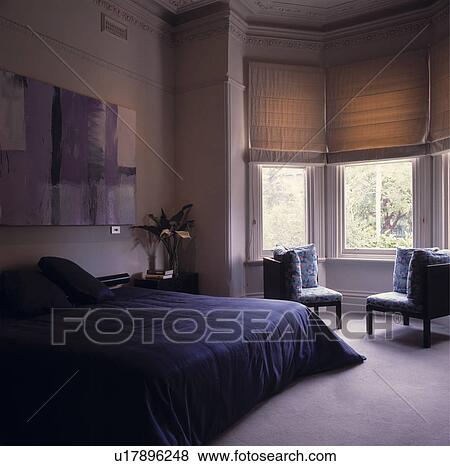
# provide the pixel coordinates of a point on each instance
(115, 230)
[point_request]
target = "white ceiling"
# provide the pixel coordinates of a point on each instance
(314, 14)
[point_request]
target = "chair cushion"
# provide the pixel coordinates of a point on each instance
(292, 275)
(279, 252)
(308, 262)
(394, 302)
(319, 294)
(401, 267)
(402, 259)
(417, 272)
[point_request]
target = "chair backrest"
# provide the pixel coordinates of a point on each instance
(273, 279)
(437, 293)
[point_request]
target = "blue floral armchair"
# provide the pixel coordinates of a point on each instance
(421, 289)
(292, 274)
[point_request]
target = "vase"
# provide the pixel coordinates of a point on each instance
(174, 263)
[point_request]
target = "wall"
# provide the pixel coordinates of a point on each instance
(237, 167)
(137, 74)
(201, 148)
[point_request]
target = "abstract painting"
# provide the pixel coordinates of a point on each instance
(65, 158)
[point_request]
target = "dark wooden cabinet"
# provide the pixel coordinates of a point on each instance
(184, 283)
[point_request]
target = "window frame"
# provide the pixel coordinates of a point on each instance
(441, 200)
(340, 233)
(255, 228)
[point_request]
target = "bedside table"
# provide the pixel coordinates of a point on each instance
(184, 283)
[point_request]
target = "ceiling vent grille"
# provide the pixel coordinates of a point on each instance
(113, 27)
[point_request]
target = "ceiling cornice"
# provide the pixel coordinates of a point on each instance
(391, 22)
(255, 35)
(182, 6)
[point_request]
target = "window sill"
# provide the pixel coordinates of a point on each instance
(258, 262)
(387, 259)
(362, 258)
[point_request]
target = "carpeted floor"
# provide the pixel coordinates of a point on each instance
(399, 396)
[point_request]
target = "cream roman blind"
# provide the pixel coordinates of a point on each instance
(286, 108)
(440, 91)
(391, 111)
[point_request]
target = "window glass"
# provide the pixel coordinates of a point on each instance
(378, 205)
(283, 206)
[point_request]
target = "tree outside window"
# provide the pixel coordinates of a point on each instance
(378, 205)
(283, 206)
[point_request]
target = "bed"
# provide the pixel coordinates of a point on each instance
(161, 392)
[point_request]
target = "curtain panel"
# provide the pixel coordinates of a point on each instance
(390, 111)
(440, 90)
(286, 107)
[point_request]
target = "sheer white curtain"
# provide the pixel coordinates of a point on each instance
(286, 109)
(390, 111)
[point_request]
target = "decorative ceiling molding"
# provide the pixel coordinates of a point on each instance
(323, 11)
(182, 6)
(267, 39)
(274, 42)
(225, 22)
(202, 29)
(408, 29)
(272, 39)
(236, 28)
(442, 15)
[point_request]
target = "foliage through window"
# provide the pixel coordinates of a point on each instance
(283, 206)
(378, 205)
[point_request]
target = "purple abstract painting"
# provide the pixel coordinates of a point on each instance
(65, 158)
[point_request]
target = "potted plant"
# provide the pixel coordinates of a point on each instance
(170, 232)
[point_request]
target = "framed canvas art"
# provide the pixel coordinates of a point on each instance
(65, 158)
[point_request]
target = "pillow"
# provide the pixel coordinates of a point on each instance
(401, 268)
(80, 286)
(278, 252)
(28, 294)
(417, 272)
(308, 263)
(292, 276)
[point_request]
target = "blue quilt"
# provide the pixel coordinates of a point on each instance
(187, 368)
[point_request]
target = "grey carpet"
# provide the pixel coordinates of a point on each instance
(399, 396)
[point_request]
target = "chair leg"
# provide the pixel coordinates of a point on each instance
(405, 320)
(316, 309)
(369, 322)
(338, 316)
(426, 333)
